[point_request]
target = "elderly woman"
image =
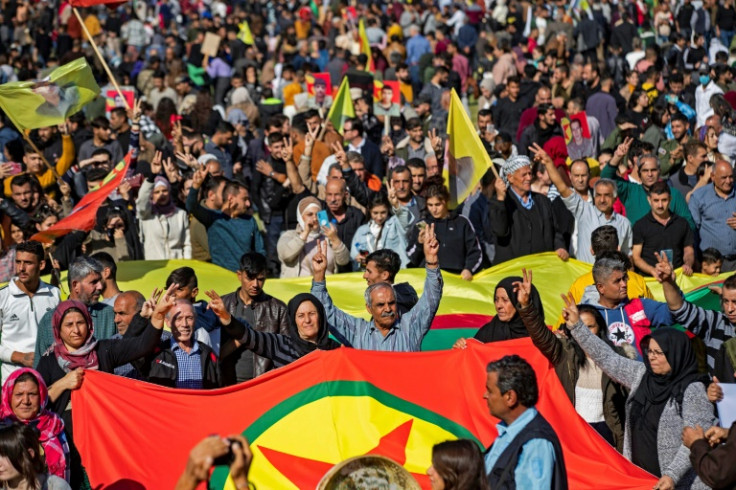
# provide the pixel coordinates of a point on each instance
(297, 247)
(308, 331)
(164, 228)
(666, 394)
(596, 397)
(76, 349)
(24, 400)
(507, 324)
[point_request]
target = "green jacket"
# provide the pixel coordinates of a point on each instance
(667, 165)
(634, 198)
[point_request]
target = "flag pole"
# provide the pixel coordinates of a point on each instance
(101, 58)
(27, 137)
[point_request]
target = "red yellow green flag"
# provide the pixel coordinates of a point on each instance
(467, 160)
(328, 406)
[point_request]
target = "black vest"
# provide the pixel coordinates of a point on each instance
(502, 474)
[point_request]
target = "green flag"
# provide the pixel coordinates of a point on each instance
(50, 101)
(196, 74)
(342, 106)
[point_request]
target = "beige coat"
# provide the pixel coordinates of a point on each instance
(296, 255)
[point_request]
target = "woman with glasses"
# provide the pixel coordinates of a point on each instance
(666, 394)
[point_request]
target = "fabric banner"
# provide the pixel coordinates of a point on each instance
(50, 101)
(465, 306)
(327, 407)
(84, 213)
(467, 160)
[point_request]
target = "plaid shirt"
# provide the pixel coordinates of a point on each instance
(148, 127)
(189, 372)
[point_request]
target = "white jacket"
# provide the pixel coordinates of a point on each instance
(163, 238)
(19, 317)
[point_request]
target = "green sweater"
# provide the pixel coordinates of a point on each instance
(634, 198)
(103, 320)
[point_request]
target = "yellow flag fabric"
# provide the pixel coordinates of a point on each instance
(552, 277)
(467, 160)
(50, 101)
(365, 46)
(342, 107)
(244, 33)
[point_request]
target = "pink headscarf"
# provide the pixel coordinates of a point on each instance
(84, 357)
(50, 425)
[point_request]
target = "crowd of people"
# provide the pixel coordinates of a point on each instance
(612, 131)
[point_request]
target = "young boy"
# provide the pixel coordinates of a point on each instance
(712, 262)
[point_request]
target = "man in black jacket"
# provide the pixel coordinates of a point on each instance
(522, 221)
(344, 217)
(181, 361)
(507, 112)
(262, 312)
(527, 452)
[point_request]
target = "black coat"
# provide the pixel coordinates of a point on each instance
(162, 368)
(519, 231)
(459, 247)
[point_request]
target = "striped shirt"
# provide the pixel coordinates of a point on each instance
(189, 366)
(711, 326)
(710, 212)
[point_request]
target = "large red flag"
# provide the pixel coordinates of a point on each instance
(326, 407)
(84, 213)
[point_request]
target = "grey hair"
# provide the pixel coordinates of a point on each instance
(373, 287)
(609, 182)
(604, 267)
(648, 156)
(354, 156)
(81, 267)
(177, 303)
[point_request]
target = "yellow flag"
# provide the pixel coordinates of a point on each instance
(50, 101)
(467, 160)
(342, 107)
(244, 34)
(365, 46)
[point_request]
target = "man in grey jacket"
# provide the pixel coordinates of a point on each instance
(387, 330)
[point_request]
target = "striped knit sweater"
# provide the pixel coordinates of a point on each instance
(712, 326)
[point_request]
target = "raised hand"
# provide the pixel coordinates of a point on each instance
(319, 261)
(431, 247)
(663, 271)
(523, 289)
(172, 172)
(165, 303)
(436, 141)
(570, 310)
(339, 153)
(218, 306)
(188, 158)
(135, 112)
(150, 304)
(199, 176)
(311, 137)
(64, 188)
(287, 154)
(392, 198)
(330, 231)
(156, 163)
(623, 149)
(500, 187)
(714, 392)
(540, 155)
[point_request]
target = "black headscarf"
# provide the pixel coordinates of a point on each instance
(497, 330)
(323, 342)
(655, 390)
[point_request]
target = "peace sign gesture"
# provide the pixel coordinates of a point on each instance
(311, 136)
(523, 289)
(392, 197)
(623, 149)
(319, 261)
(436, 141)
(135, 112)
(570, 310)
(540, 155)
(156, 163)
(340, 156)
(218, 307)
(287, 154)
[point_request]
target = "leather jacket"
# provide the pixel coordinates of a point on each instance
(270, 316)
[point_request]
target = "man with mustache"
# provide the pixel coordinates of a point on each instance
(387, 330)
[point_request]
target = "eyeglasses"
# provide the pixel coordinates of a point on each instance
(654, 352)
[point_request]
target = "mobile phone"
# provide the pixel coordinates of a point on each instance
(322, 218)
(490, 128)
(670, 255)
(15, 168)
(422, 225)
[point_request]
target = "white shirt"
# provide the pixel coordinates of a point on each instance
(19, 318)
(702, 101)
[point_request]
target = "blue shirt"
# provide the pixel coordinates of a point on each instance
(536, 463)
(408, 331)
(710, 212)
(416, 46)
(189, 372)
(528, 204)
